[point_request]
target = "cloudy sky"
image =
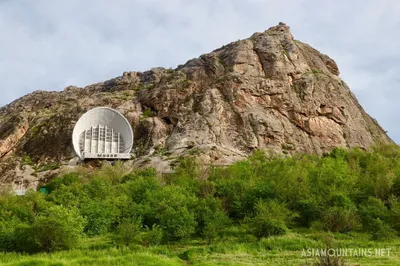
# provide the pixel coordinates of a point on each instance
(50, 44)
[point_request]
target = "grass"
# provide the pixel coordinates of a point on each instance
(237, 249)
(110, 256)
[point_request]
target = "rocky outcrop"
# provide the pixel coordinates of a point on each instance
(11, 132)
(268, 92)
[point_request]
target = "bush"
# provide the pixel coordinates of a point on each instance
(7, 235)
(395, 213)
(65, 180)
(309, 211)
(177, 223)
(371, 210)
(68, 196)
(171, 208)
(341, 216)
(100, 216)
(214, 227)
(396, 187)
(339, 153)
(270, 219)
(147, 173)
(57, 228)
(138, 185)
(128, 232)
(25, 239)
(132, 233)
(211, 218)
(340, 219)
(151, 236)
(23, 209)
(381, 230)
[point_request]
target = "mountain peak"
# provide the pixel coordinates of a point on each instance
(281, 28)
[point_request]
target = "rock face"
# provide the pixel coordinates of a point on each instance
(268, 92)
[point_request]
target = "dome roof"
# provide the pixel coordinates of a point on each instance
(102, 133)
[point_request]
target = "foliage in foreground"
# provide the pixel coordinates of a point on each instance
(344, 191)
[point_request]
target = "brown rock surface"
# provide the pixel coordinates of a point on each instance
(267, 92)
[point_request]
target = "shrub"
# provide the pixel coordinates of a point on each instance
(139, 184)
(371, 210)
(7, 235)
(100, 216)
(17, 236)
(170, 207)
(270, 218)
(128, 232)
(341, 216)
(57, 228)
(67, 196)
(112, 173)
(381, 230)
(309, 211)
(376, 218)
(338, 153)
(132, 233)
(396, 187)
(395, 213)
(177, 223)
(187, 174)
(234, 188)
(211, 218)
(26, 239)
(149, 173)
(340, 219)
(151, 236)
(66, 180)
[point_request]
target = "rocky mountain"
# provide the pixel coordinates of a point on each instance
(268, 92)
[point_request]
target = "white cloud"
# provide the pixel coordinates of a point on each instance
(50, 44)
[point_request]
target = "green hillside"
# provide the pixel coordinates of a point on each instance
(261, 211)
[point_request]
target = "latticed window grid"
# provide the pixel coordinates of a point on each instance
(101, 140)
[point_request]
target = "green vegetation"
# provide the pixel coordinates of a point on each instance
(26, 160)
(286, 52)
(147, 113)
(261, 211)
(141, 86)
(185, 83)
(49, 167)
(317, 71)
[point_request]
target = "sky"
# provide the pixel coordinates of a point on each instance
(51, 44)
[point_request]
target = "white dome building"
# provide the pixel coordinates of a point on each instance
(103, 133)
